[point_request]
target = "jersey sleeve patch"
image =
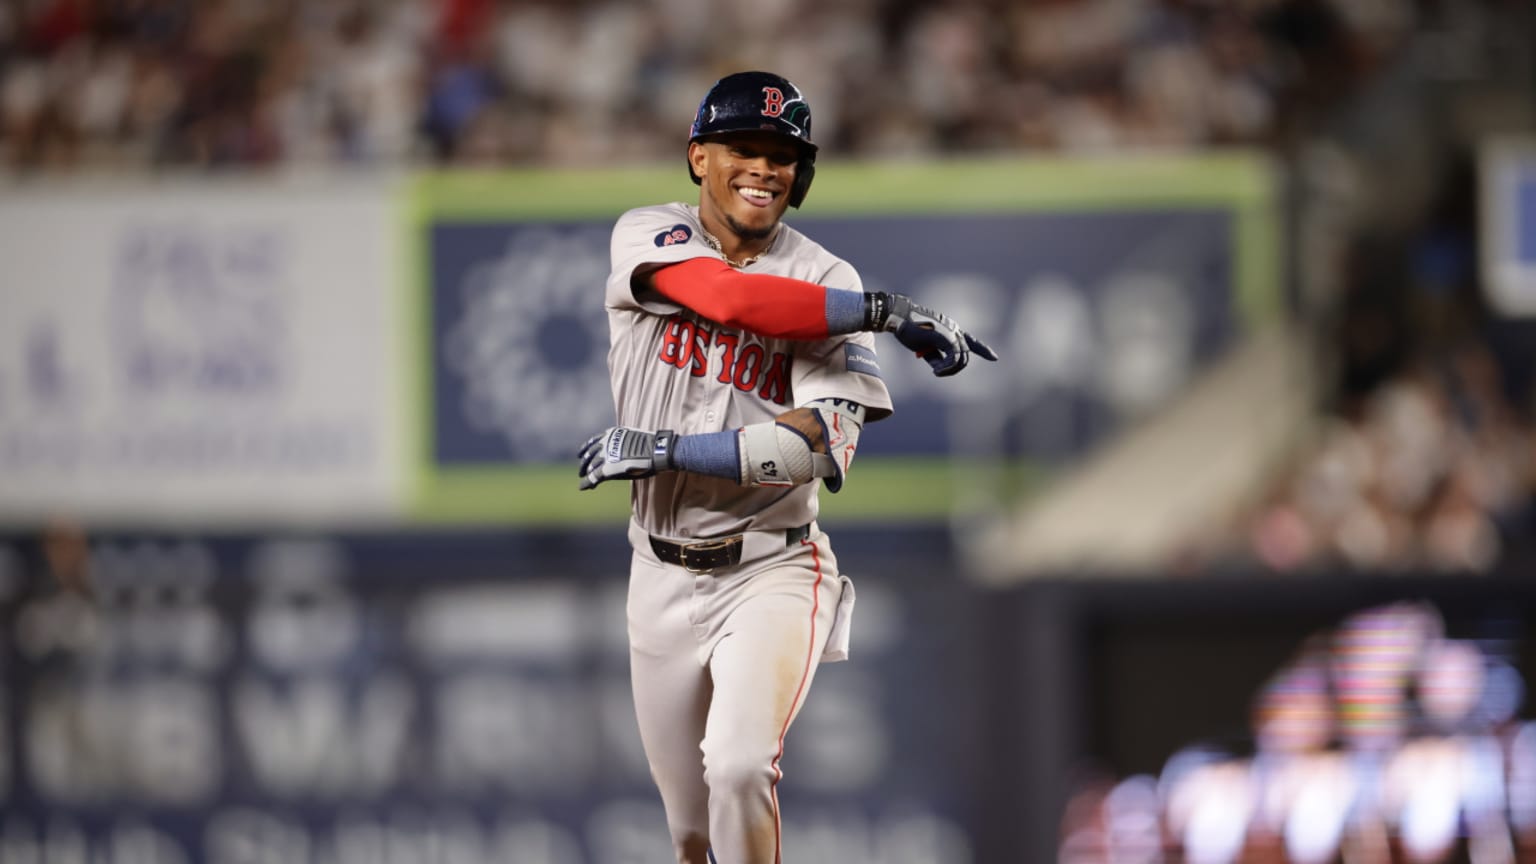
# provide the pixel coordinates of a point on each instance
(860, 359)
(674, 235)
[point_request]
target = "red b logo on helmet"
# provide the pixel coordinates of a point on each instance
(773, 101)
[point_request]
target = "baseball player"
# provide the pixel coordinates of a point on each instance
(743, 367)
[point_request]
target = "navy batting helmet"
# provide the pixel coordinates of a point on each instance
(759, 101)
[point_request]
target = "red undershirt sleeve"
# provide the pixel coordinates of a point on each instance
(773, 306)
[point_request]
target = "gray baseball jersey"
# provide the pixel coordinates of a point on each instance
(673, 370)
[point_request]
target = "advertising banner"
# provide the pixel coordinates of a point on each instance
(1104, 287)
(236, 352)
(426, 700)
(188, 350)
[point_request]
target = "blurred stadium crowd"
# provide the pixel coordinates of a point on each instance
(209, 83)
(1427, 462)
(1382, 739)
(1425, 457)
(1432, 471)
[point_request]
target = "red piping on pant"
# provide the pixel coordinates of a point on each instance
(810, 652)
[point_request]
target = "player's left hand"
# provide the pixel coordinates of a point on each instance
(933, 336)
(622, 453)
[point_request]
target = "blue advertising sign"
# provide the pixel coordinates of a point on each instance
(1096, 316)
(1104, 287)
(439, 699)
(520, 340)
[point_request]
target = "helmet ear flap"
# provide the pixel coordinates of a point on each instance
(805, 171)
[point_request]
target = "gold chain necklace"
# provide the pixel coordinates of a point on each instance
(715, 245)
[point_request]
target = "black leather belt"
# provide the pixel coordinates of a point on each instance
(702, 556)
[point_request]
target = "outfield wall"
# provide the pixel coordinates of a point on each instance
(462, 698)
(370, 350)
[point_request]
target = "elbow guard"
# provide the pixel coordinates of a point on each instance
(841, 422)
(774, 454)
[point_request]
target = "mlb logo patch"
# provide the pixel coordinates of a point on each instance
(677, 234)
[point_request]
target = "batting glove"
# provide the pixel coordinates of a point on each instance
(932, 335)
(621, 453)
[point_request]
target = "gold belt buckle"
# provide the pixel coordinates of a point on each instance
(702, 547)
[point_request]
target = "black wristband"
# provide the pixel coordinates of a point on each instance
(875, 311)
(661, 456)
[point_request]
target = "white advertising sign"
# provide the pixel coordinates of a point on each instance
(190, 353)
(1507, 239)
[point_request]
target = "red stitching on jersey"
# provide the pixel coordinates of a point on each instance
(775, 379)
(677, 343)
(702, 336)
(810, 653)
(728, 356)
(749, 363)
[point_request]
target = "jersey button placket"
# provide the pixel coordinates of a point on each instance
(715, 410)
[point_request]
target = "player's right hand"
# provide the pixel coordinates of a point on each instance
(622, 453)
(933, 336)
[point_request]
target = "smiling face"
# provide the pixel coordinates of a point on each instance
(745, 182)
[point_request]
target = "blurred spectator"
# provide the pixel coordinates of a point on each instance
(147, 83)
(1382, 739)
(1427, 461)
(1432, 473)
(67, 555)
